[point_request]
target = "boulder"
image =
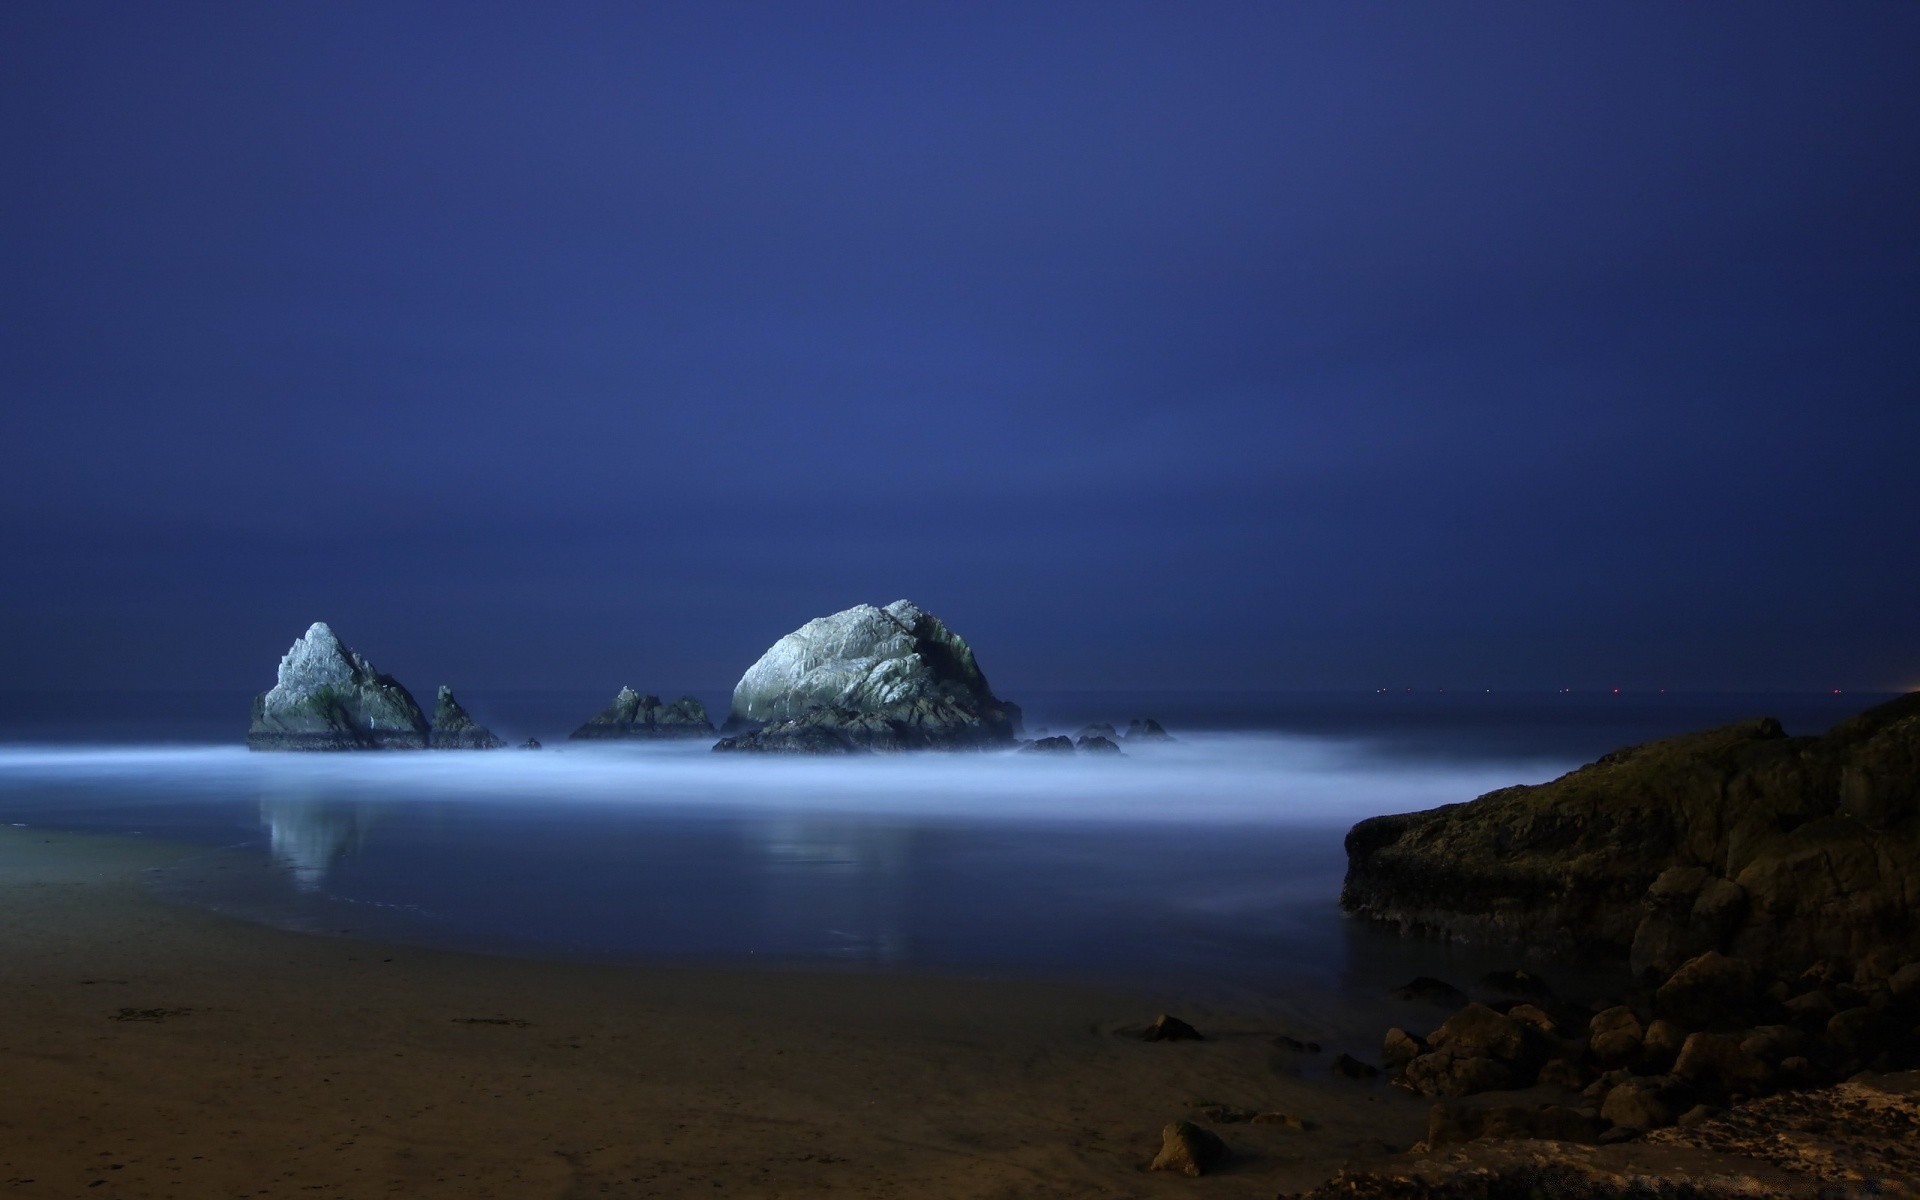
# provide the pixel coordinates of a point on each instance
(1097, 745)
(1167, 1028)
(1188, 1148)
(1779, 850)
(1146, 729)
(1661, 1045)
(1710, 991)
(1099, 729)
(1353, 1068)
(634, 716)
(1565, 1073)
(868, 679)
(1722, 1063)
(328, 697)
(1904, 985)
(1614, 1036)
(453, 729)
(1400, 1048)
(1478, 1050)
(1644, 1103)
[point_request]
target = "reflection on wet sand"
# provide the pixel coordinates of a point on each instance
(845, 880)
(307, 835)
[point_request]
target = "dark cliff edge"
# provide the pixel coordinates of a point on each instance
(1782, 850)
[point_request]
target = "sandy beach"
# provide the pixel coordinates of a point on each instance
(153, 1050)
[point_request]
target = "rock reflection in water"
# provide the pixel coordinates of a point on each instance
(307, 836)
(845, 879)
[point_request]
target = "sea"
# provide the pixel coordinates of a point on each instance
(1206, 869)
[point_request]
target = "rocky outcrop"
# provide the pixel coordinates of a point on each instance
(453, 729)
(1049, 745)
(868, 679)
(330, 698)
(1782, 851)
(632, 715)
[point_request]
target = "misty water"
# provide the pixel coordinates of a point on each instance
(1208, 868)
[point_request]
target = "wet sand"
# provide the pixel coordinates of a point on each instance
(151, 1050)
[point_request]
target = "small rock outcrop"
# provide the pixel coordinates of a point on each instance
(868, 679)
(1779, 850)
(1097, 745)
(1146, 729)
(632, 715)
(1049, 745)
(453, 729)
(329, 698)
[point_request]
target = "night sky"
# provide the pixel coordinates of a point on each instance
(1151, 345)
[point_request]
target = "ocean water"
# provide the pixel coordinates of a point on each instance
(1206, 868)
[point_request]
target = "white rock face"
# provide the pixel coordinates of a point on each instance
(863, 658)
(316, 659)
(326, 697)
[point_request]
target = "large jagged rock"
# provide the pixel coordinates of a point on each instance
(330, 698)
(1781, 850)
(632, 715)
(453, 729)
(868, 679)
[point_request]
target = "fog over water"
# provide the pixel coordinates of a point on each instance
(1206, 867)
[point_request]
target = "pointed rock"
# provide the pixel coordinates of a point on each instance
(330, 698)
(453, 729)
(632, 715)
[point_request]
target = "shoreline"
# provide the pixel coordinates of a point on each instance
(251, 1057)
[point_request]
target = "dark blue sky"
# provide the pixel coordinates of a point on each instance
(1205, 345)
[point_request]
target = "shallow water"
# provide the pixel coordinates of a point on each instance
(1209, 868)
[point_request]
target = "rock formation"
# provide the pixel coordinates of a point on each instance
(330, 698)
(453, 729)
(1049, 745)
(1782, 851)
(868, 679)
(632, 715)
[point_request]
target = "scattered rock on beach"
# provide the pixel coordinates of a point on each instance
(1167, 1028)
(1188, 1148)
(1352, 1068)
(453, 729)
(328, 697)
